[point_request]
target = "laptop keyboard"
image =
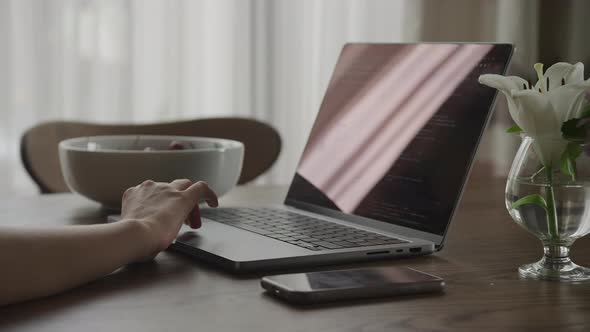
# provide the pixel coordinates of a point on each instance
(298, 229)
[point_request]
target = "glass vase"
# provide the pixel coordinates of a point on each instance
(551, 202)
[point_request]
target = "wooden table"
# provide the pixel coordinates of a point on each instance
(176, 293)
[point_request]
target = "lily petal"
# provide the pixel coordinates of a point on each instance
(534, 102)
(563, 70)
(538, 114)
(503, 83)
(568, 100)
(538, 119)
(506, 84)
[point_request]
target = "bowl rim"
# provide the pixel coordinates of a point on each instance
(223, 144)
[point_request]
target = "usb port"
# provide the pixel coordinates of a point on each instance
(415, 250)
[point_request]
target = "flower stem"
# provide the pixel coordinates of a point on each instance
(551, 209)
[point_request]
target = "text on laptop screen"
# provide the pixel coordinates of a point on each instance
(397, 131)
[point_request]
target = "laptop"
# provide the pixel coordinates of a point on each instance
(383, 169)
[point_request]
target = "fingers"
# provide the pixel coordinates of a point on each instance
(178, 184)
(181, 184)
(195, 218)
(200, 191)
(193, 192)
(147, 183)
(128, 192)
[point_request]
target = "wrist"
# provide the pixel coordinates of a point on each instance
(143, 235)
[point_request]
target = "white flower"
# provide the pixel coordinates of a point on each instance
(540, 110)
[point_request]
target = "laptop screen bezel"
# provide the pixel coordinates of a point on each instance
(438, 239)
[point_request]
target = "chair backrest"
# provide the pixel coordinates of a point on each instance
(39, 145)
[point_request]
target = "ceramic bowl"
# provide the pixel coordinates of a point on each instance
(101, 168)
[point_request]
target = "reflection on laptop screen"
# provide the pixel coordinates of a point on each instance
(397, 131)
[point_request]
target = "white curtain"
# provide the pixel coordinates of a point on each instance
(138, 61)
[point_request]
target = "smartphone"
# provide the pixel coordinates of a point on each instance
(326, 286)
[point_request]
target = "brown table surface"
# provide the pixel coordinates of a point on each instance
(176, 293)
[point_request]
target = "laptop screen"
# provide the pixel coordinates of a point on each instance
(397, 131)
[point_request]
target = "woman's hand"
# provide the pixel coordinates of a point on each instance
(68, 256)
(163, 208)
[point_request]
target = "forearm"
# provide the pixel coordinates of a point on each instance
(40, 262)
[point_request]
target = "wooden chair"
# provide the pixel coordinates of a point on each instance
(39, 145)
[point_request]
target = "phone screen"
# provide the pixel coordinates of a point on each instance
(354, 278)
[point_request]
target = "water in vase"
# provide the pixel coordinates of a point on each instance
(572, 201)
